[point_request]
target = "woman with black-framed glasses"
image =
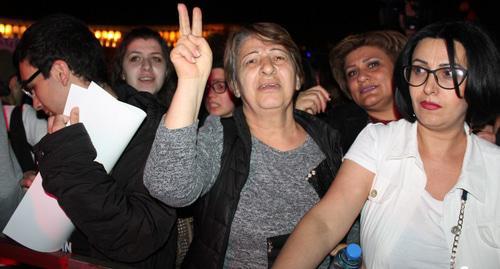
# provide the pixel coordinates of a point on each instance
(447, 77)
(426, 186)
(219, 100)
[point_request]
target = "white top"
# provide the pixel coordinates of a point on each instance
(391, 152)
(423, 238)
(34, 127)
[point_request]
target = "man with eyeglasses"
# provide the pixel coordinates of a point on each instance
(116, 218)
(24, 84)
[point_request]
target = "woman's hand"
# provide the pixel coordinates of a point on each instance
(313, 100)
(192, 57)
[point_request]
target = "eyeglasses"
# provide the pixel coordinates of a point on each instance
(24, 84)
(218, 86)
(445, 77)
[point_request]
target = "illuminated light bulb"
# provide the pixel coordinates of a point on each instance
(8, 29)
(171, 36)
(117, 36)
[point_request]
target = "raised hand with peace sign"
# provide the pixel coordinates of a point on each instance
(192, 59)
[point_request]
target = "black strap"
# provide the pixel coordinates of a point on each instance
(18, 141)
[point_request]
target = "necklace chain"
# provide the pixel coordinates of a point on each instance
(457, 230)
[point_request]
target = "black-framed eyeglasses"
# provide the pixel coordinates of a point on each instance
(446, 77)
(24, 84)
(218, 86)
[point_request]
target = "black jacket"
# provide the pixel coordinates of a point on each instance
(349, 119)
(215, 211)
(119, 221)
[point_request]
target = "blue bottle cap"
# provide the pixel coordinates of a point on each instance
(353, 252)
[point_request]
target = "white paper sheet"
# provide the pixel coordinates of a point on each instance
(38, 222)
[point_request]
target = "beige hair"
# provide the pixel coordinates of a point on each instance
(268, 32)
(392, 42)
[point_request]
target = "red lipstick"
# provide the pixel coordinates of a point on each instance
(429, 105)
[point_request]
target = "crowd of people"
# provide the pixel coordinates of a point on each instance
(247, 159)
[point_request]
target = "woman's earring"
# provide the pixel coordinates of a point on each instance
(123, 76)
(237, 93)
(297, 85)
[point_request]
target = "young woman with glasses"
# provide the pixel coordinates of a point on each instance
(219, 99)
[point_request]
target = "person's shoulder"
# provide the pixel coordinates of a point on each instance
(211, 122)
(395, 132)
(26, 108)
(486, 147)
(393, 126)
(212, 119)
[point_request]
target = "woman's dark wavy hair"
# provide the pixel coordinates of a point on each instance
(267, 32)
(482, 89)
(62, 37)
(166, 92)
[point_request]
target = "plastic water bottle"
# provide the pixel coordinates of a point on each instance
(347, 258)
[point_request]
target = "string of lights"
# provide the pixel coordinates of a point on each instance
(109, 36)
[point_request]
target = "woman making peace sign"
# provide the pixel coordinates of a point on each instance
(258, 172)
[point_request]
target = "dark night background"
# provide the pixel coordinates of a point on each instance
(312, 23)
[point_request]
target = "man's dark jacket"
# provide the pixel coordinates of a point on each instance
(116, 218)
(215, 211)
